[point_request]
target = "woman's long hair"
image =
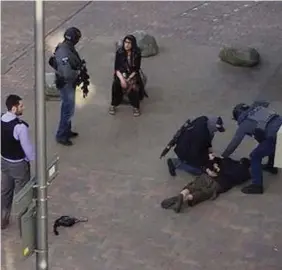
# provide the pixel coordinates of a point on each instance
(135, 50)
(134, 46)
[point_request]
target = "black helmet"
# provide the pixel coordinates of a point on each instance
(72, 34)
(238, 109)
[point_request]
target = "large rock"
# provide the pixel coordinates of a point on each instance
(51, 92)
(145, 42)
(244, 57)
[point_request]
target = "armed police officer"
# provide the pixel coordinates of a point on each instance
(68, 70)
(193, 145)
(16, 154)
(258, 121)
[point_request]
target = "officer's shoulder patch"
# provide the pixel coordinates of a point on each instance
(65, 60)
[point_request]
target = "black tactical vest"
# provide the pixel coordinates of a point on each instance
(10, 147)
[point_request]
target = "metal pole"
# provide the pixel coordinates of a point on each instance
(40, 116)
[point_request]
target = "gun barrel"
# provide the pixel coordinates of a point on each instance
(165, 151)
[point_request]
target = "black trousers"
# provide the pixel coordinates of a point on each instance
(117, 95)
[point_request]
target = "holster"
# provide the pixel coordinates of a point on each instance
(52, 62)
(59, 81)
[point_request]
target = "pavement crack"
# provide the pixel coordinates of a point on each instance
(26, 49)
(189, 10)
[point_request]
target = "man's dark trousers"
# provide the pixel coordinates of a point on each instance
(67, 94)
(265, 149)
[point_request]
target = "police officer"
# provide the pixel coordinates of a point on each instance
(263, 124)
(67, 64)
(194, 145)
(16, 153)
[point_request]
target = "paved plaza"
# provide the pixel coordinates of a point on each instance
(113, 174)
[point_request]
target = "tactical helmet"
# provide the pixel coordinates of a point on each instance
(238, 109)
(72, 34)
(220, 124)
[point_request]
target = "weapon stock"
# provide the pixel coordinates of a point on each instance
(175, 138)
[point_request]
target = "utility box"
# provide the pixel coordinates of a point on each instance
(27, 225)
(25, 208)
(24, 197)
(278, 149)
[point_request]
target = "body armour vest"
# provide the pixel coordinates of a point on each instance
(262, 116)
(10, 147)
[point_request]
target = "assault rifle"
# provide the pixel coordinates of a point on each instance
(186, 126)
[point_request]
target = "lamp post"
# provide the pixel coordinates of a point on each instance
(40, 124)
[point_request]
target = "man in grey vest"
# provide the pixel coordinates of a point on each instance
(263, 124)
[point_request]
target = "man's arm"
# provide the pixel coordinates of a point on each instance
(235, 142)
(22, 132)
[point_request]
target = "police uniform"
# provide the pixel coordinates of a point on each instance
(263, 124)
(67, 64)
(193, 146)
(15, 167)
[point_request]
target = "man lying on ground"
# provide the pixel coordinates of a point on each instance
(221, 175)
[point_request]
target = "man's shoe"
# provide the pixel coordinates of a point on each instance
(169, 202)
(73, 134)
(270, 169)
(171, 167)
(179, 203)
(253, 189)
(65, 142)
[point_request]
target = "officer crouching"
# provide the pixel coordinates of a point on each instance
(67, 64)
(194, 145)
(263, 124)
(16, 153)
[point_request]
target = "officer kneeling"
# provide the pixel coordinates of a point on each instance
(262, 124)
(194, 144)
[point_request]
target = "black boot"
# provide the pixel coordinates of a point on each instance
(73, 134)
(171, 167)
(65, 142)
(179, 203)
(253, 189)
(169, 202)
(269, 168)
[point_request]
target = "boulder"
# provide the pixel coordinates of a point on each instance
(244, 57)
(51, 91)
(147, 43)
